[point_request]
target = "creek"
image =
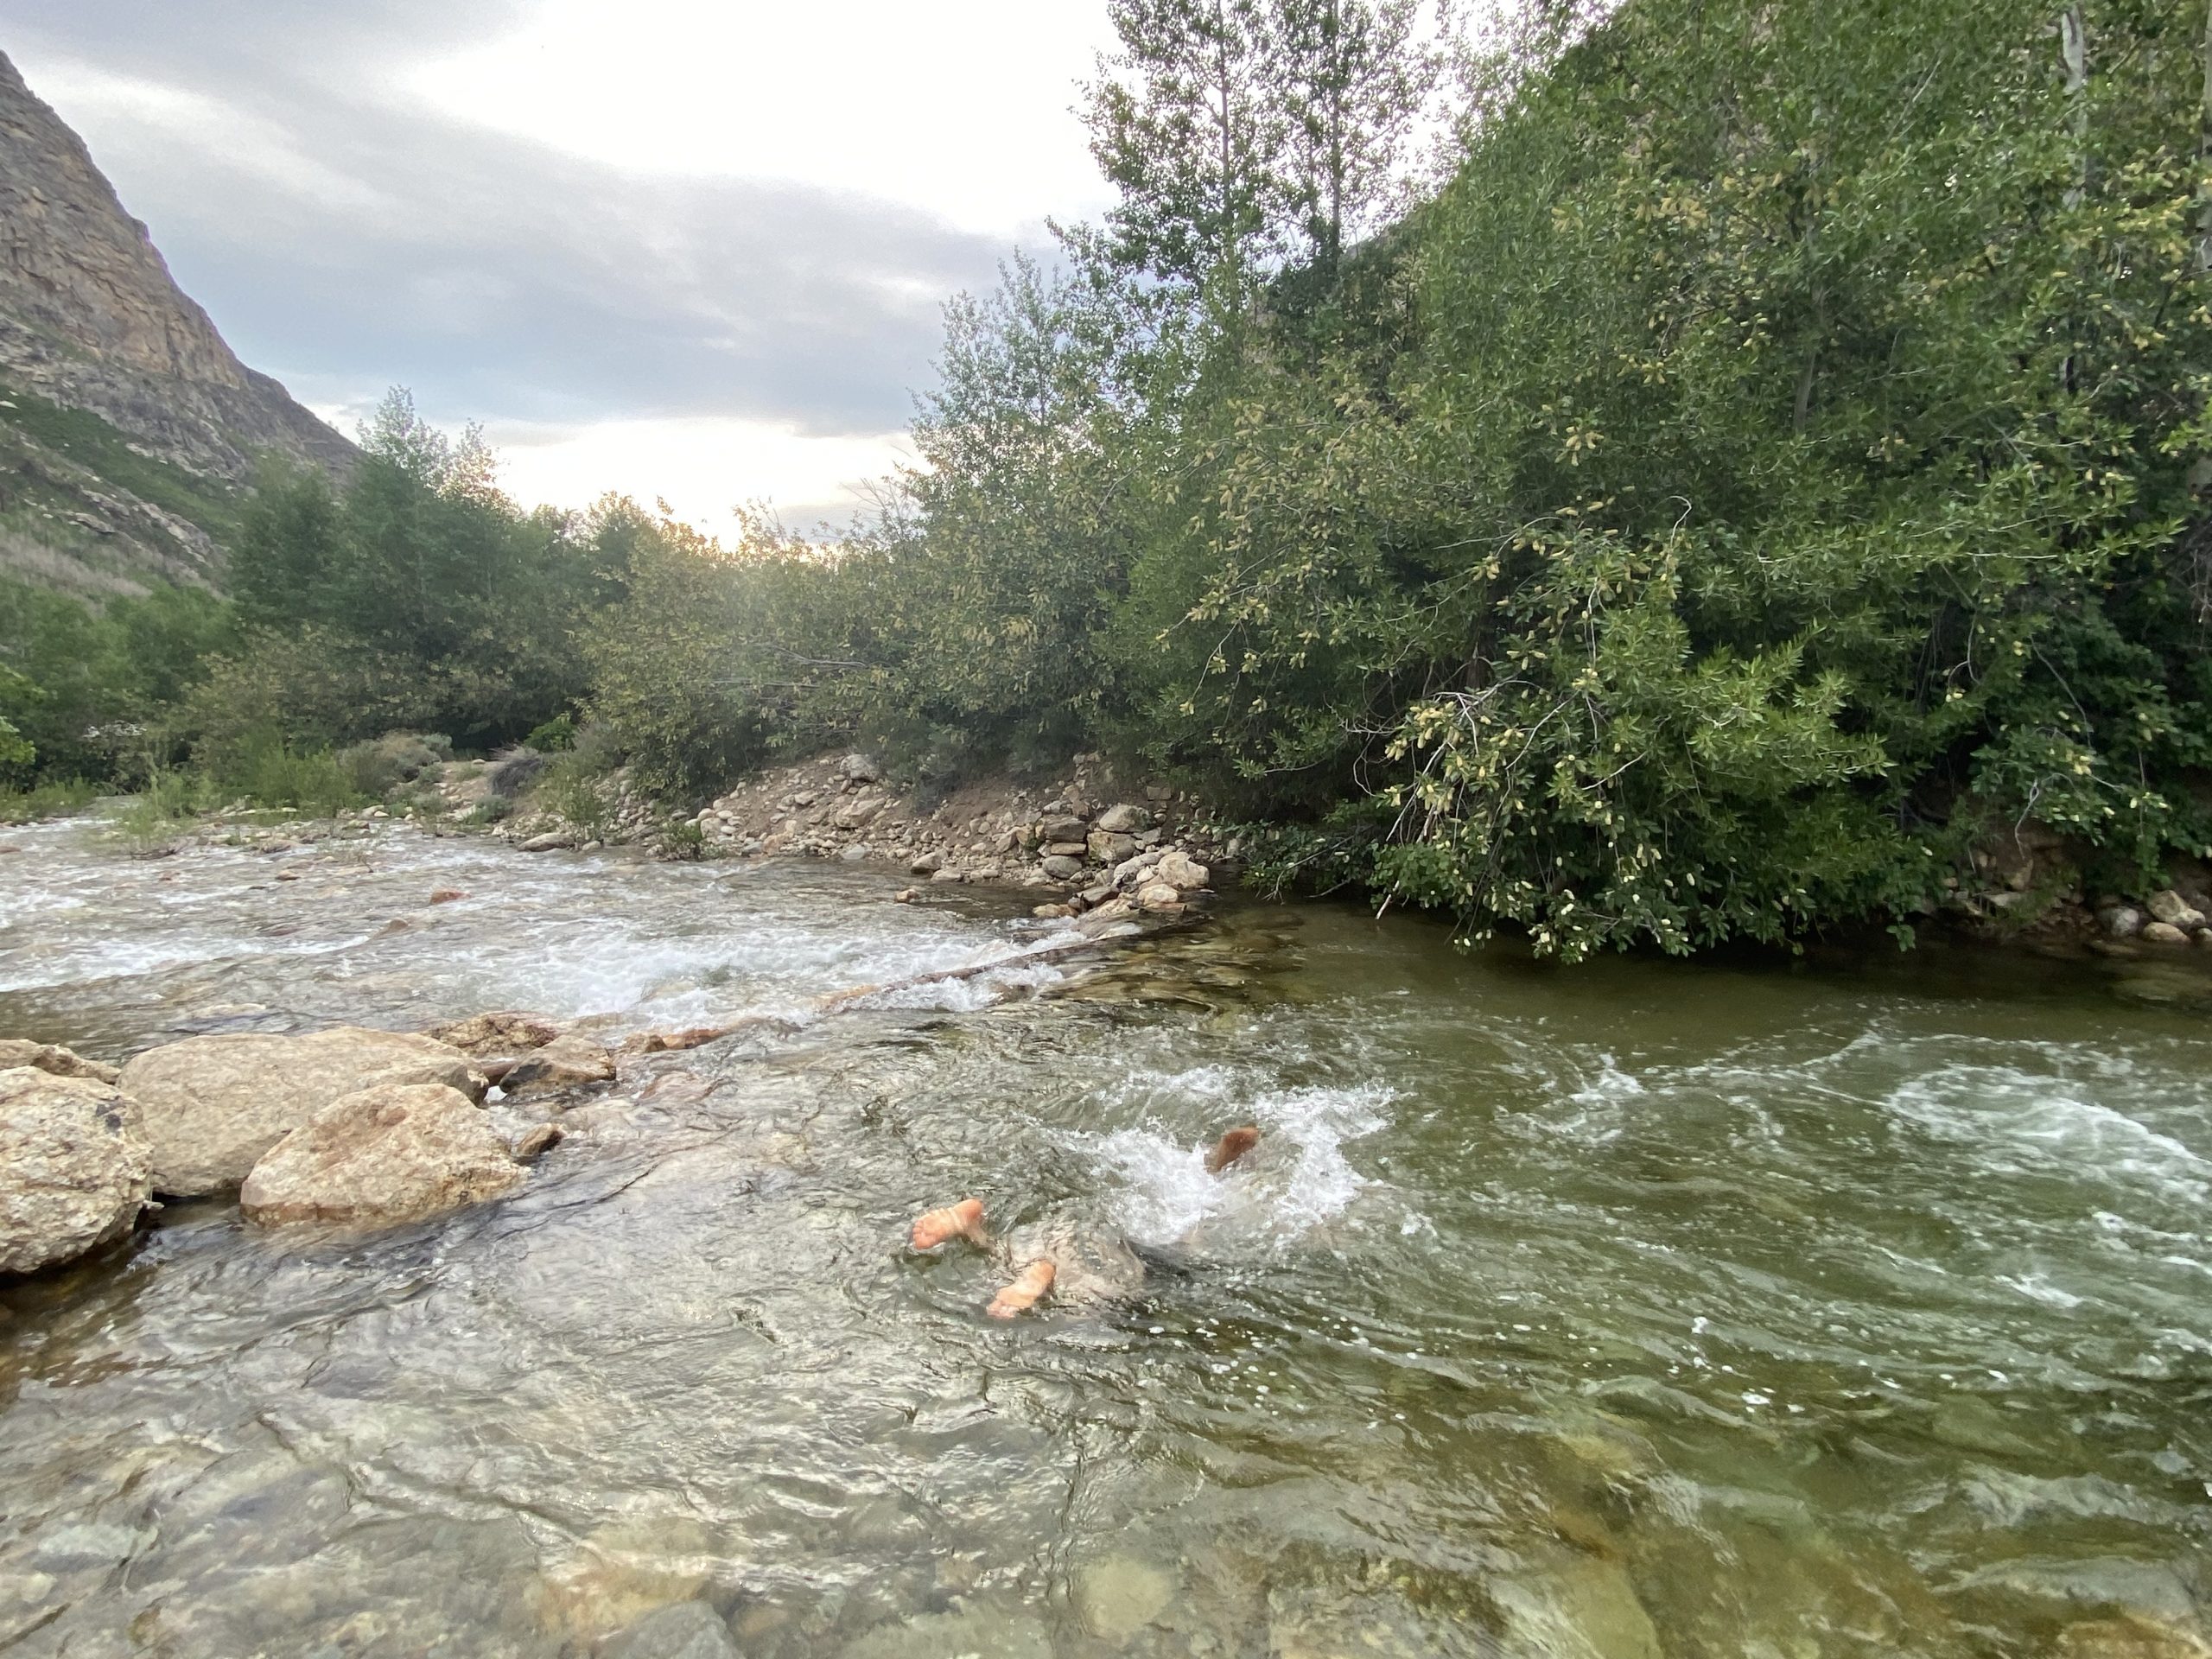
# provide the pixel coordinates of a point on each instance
(1853, 1305)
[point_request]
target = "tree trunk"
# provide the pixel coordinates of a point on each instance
(2074, 52)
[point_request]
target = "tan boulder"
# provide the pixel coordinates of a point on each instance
(503, 1031)
(48, 1057)
(1160, 898)
(73, 1167)
(1180, 871)
(395, 1152)
(211, 1106)
(564, 1064)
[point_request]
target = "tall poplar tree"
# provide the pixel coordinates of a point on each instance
(1182, 125)
(1349, 77)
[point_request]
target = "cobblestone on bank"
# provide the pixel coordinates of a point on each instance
(1092, 842)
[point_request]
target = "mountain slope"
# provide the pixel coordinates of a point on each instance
(128, 429)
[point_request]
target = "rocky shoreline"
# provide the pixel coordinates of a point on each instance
(1102, 848)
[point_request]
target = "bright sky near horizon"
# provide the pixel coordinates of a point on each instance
(672, 248)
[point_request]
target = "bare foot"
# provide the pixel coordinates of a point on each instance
(1231, 1147)
(960, 1220)
(1026, 1290)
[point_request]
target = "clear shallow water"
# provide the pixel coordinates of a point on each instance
(1633, 1310)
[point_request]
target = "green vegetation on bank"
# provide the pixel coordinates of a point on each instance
(1767, 465)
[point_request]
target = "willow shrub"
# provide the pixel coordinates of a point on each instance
(1786, 478)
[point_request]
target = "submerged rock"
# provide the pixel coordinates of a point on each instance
(975, 1633)
(210, 1107)
(564, 1064)
(690, 1629)
(502, 1031)
(1119, 1595)
(73, 1167)
(51, 1058)
(396, 1152)
(2130, 1635)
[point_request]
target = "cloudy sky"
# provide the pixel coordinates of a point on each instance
(687, 248)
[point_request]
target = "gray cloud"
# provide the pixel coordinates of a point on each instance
(341, 237)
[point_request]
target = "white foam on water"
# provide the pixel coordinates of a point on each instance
(1601, 1104)
(2020, 1124)
(1299, 1179)
(2037, 1289)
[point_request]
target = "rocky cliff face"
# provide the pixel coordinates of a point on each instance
(127, 426)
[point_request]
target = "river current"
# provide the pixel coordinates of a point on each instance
(1847, 1307)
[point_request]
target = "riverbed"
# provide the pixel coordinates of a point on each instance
(1769, 1307)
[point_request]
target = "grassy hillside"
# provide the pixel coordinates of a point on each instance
(83, 510)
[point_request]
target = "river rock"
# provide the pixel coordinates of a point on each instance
(536, 1141)
(925, 864)
(2122, 921)
(566, 1063)
(690, 1629)
(1123, 820)
(2175, 911)
(211, 1106)
(2162, 933)
(396, 1152)
(74, 1171)
(52, 1058)
(552, 841)
(1130, 872)
(2130, 1636)
(1582, 1608)
(1106, 849)
(1180, 871)
(502, 1031)
(1061, 867)
(975, 1631)
(1160, 898)
(1063, 827)
(1119, 1595)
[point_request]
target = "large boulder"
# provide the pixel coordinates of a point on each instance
(2169, 907)
(73, 1169)
(397, 1152)
(1123, 820)
(1180, 871)
(48, 1057)
(1111, 849)
(211, 1106)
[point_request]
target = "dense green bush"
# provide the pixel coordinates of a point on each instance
(707, 664)
(377, 767)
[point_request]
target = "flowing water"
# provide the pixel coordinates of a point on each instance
(1644, 1308)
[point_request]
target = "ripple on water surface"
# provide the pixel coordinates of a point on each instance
(1645, 1309)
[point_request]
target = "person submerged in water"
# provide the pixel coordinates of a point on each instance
(1042, 1271)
